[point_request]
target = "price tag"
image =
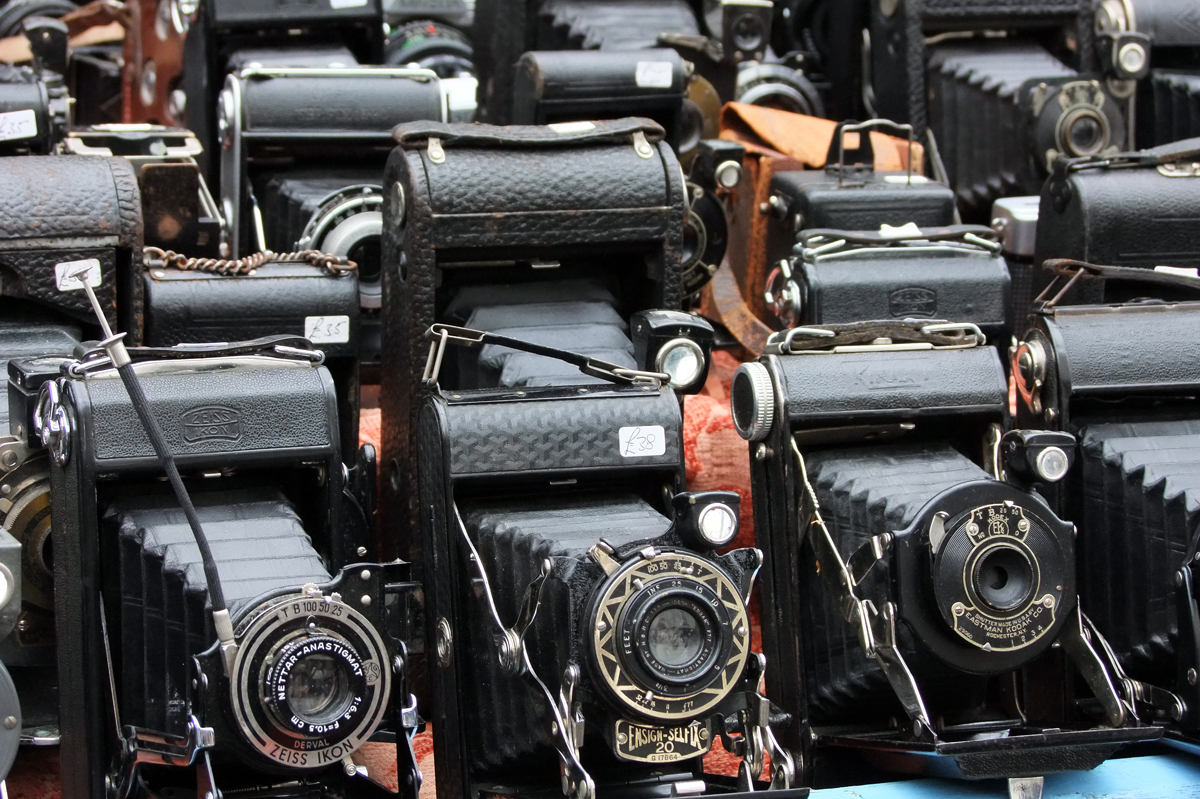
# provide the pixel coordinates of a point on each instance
(653, 74)
(18, 125)
(65, 280)
(571, 127)
(642, 442)
(347, 3)
(327, 329)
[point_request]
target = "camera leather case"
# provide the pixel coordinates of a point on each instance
(60, 209)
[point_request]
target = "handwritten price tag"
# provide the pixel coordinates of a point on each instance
(18, 125)
(65, 279)
(642, 442)
(327, 329)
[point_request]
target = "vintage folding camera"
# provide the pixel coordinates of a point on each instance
(922, 597)
(898, 48)
(715, 37)
(1036, 108)
(1016, 220)
(1122, 210)
(850, 195)
(1136, 39)
(219, 628)
(556, 235)
(35, 106)
(432, 35)
(716, 170)
(588, 639)
(1121, 378)
(838, 277)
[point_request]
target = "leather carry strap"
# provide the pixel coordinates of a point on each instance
(416, 135)
(984, 236)
(1065, 267)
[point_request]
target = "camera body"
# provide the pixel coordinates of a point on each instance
(1120, 378)
(1039, 107)
(554, 234)
(920, 606)
(838, 277)
(314, 667)
(553, 559)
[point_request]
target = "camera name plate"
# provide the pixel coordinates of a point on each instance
(654, 744)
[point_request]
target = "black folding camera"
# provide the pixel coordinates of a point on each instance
(919, 598)
(232, 645)
(587, 639)
(1122, 378)
(555, 235)
(907, 273)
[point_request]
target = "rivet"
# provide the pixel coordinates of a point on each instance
(10, 722)
(365, 575)
(1191, 675)
(366, 599)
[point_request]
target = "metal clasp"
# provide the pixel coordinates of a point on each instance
(436, 154)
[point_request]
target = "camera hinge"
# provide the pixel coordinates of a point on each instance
(876, 628)
(1077, 637)
(143, 746)
(565, 727)
(1147, 702)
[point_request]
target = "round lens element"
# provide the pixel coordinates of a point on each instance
(675, 638)
(718, 524)
(1052, 464)
(683, 360)
(1083, 131)
(318, 688)
(748, 32)
(1004, 578)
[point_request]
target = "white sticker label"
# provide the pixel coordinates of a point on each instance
(347, 3)
(18, 125)
(642, 442)
(905, 179)
(1182, 271)
(571, 127)
(654, 74)
(63, 274)
(327, 329)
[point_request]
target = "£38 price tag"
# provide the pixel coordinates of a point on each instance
(327, 329)
(642, 442)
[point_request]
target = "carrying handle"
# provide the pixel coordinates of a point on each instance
(1068, 272)
(864, 154)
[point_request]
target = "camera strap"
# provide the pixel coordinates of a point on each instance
(335, 265)
(441, 335)
(1071, 272)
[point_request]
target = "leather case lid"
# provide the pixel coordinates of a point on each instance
(352, 104)
(186, 307)
(971, 287)
(893, 385)
(207, 407)
(587, 75)
(1103, 349)
(58, 197)
(415, 135)
(490, 435)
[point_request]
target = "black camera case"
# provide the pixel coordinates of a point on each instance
(1134, 209)
(61, 209)
(570, 85)
(878, 440)
(255, 436)
(594, 207)
(1123, 378)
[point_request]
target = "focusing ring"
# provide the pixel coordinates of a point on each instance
(753, 401)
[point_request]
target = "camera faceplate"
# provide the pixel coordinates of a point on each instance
(277, 630)
(629, 604)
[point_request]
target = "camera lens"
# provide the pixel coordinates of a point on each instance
(318, 689)
(1084, 132)
(748, 32)
(675, 639)
(1004, 578)
(683, 360)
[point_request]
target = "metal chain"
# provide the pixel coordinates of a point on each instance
(334, 264)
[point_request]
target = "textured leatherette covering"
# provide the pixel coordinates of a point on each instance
(904, 384)
(201, 413)
(1120, 349)
(55, 209)
(357, 105)
(560, 434)
(1121, 217)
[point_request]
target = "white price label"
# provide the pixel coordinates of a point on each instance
(571, 127)
(347, 3)
(18, 125)
(64, 274)
(642, 442)
(654, 74)
(327, 329)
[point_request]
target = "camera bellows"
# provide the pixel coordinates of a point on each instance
(863, 493)
(513, 538)
(260, 545)
(1141, 506)
(1176, 106)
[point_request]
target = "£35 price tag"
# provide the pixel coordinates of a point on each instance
(642, 442)
(327, 329)
(18, 125)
